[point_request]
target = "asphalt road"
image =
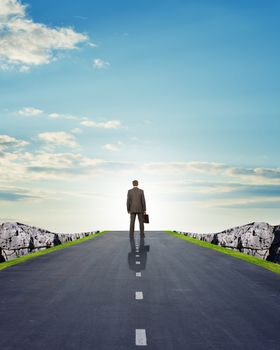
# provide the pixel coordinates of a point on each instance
(188, 297)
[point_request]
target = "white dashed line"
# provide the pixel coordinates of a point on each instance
(137, 262)
(140, 337)
(138, 274)
(137, 256)
(139, 295)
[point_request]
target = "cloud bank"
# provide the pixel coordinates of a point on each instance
(204, 184)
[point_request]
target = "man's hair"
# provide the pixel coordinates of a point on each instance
(135, 182)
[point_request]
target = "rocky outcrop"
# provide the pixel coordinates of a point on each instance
(257, 239)
(18, 239)
(274, 251)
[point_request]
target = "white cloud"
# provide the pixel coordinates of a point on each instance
(89, 123)
(98, 63)
(27, 166)
(24, 43)
(7, 141)
(30, 111)
(242, 201)
(111, 124)
(24, 69)
(14, 193)
(185, 167)
(92, 44)
(58, 138)
(76, 131)
(112, 146)
(11, 7)
(240, 175)
(63, 116)
(46, 160)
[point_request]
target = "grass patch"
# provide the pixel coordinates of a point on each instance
(23, 258)
(250, 259)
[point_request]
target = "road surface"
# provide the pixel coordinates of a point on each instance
(160, 293)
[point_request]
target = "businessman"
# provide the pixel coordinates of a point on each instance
(136, 205)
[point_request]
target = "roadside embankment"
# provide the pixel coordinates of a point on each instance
(257, 239)
(18, 239)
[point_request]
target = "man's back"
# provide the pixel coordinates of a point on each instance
(136, 201)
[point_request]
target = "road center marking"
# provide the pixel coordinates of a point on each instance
(139, 295)
(140, 337)
(137, 262)
(137, 256)
(138, 274)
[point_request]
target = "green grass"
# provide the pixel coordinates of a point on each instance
(250, 259)
(48, 250)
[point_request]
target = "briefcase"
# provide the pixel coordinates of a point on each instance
(146, 219)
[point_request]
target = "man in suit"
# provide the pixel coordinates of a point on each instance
(136, 205)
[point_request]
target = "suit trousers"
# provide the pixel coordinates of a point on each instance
(132, 222)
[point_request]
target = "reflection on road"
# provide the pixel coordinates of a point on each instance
(139, 253)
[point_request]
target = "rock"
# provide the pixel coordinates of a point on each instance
(18, 239)
(257, 239)
(2, 259)
(274, 251)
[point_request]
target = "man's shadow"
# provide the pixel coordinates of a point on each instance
(137, 257)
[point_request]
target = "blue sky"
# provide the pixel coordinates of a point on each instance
(183, 95)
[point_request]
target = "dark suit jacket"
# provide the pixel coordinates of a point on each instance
(136, 201)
